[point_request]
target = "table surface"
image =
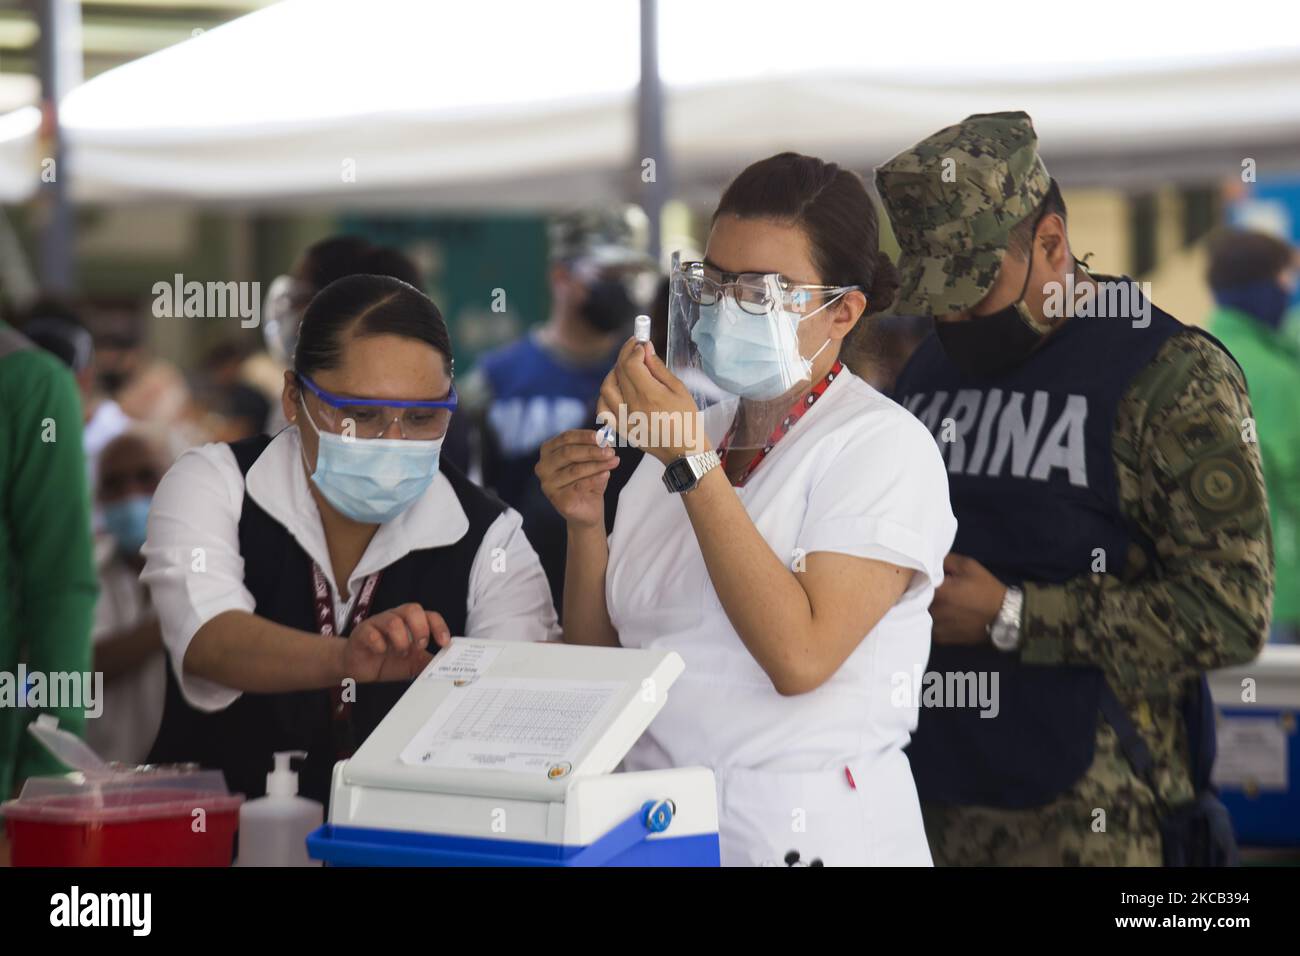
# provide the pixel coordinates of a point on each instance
(1251, 856)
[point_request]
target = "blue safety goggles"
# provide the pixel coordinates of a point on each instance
(371, 417)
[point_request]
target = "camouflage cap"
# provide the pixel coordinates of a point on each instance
(953, 199)
(613, 235)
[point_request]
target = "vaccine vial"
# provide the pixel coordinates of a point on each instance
(604, 430)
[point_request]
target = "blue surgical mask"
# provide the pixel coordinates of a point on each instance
(372, 480)
(126, 521)
(753, 356)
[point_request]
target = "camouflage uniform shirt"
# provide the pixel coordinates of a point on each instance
(1194, 486)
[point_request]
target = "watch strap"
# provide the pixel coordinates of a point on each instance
(1006, 631)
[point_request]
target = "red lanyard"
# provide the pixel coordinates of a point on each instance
(340, 708)
(325, 622)
(796, 412)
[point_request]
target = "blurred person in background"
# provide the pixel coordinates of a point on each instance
(128, 646)
(147, 387)
(335, 555)
(223, 362)
(241, 411)
(629, 458)
(232, 409)
(57, 329)
(1253, 278)
(1291, 327)
(47, 576)
(527, 392)
(320, 264)
(1111, 524)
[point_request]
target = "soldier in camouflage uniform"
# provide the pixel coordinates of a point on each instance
(1194, 590)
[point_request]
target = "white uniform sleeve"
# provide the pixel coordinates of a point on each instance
(193, 567)
(884, 496)
(509, 597)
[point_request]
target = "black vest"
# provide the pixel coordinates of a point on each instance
(1032, 478)
(240, 740)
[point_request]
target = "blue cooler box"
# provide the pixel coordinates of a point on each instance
(643, 839)
(504, 753)
(1256, 707)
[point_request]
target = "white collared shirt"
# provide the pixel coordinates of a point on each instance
(194, 569)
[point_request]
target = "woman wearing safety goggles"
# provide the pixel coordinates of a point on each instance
(784, 533)
(302, 580)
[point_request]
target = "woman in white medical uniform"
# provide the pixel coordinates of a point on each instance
(788, 549)
(302, 580)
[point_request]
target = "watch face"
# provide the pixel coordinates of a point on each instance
(1005, 635)
(678, 476)
(998, 635)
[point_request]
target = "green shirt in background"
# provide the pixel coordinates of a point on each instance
(1271, 362)
(47, 575)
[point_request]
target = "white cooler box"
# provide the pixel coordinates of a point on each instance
(501, 754)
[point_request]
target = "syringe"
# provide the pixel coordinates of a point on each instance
(605, 430)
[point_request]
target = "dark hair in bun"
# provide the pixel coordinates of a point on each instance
(831, 205)
(884, 285)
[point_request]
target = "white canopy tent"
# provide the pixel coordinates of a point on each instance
(497, 104)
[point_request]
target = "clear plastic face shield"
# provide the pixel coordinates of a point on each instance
(286, 300)
(745, 344)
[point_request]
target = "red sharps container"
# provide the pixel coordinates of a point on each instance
(114, 815)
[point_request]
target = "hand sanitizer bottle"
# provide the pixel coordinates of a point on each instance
(273, 829)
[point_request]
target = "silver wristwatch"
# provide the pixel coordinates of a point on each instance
(685, 473)
(1004, 632)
